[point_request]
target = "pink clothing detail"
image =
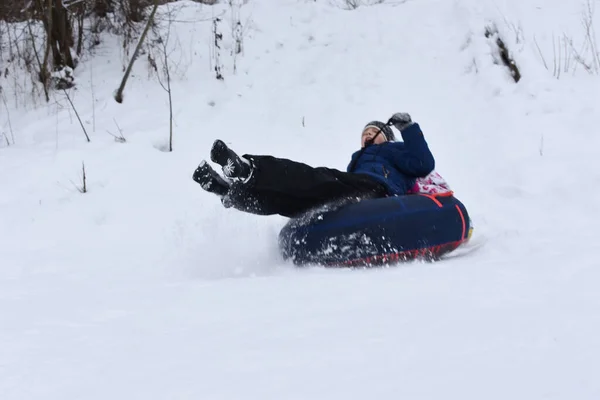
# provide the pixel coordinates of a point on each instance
(431, 184)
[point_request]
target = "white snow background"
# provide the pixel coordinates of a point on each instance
(147, 288)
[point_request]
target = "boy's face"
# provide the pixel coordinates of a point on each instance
(371, 132)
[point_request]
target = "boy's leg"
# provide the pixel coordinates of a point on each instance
(288, 188)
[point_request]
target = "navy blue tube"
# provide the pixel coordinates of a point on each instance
(376, 231)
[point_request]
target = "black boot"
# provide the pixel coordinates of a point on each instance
(234, 166)
(210, 180)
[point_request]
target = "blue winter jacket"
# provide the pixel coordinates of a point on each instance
(396, 164)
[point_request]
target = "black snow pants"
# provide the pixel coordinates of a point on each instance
(289, 188)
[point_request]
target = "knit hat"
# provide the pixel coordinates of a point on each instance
(385, 130)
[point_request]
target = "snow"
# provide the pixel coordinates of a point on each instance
(146, 287)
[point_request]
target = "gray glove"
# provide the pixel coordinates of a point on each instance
(401, 121)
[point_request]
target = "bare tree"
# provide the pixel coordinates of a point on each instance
(167, 85)
(163, 73)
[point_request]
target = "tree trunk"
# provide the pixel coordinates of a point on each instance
(80, 22)
(63, 35)
(59, 33)
(47, 20)
(119, 94)
(102, 7)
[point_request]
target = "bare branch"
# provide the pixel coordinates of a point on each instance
(83, 179)
(12, 135)
(82, 187)
(77, 114)
(120, 138)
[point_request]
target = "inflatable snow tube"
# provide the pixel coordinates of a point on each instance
(377, 231)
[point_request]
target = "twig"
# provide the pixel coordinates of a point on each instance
(167, 72)
(72, 3)
(118, 127)
(554, 53)
(121, 137)
(83, 178)
(540, 52)
(567, 54)
(83, 187)
(77, 114)
(12, 135)
(93, 97)
(588, 22)
(558, 70)
(577, 57)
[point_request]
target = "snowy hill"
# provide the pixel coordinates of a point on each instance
(146, 287)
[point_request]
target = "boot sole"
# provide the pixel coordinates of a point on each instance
(219, 153)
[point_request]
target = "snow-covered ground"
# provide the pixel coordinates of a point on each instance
(145, 287)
